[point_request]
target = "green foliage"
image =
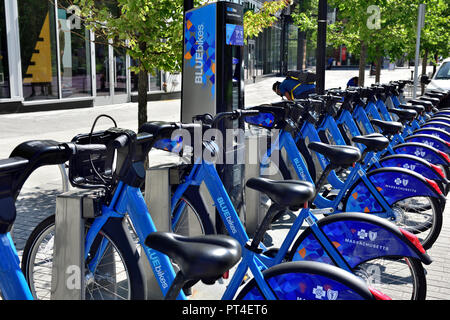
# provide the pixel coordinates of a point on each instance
(256, 22)
(398, 24)
(150, 30)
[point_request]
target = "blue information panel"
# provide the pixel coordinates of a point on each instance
(234, 35)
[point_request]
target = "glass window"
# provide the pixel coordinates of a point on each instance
(155, 81)
(4, 71)
(102, 69)
(292, 47)
(134, 77)
(38, 49)
(74, 53)
(120, 70)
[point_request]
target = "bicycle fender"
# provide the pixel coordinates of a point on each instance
(437, 124)
(431, 141)
(308, 280)
(444, 119)
(444, 135)
(359, 238)
(394, 184)
(423, 151)
(442, 113)
(418, 165)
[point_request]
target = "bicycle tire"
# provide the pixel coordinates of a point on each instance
(194, 205)
(434, 227)
(306, 280)
(114, 230)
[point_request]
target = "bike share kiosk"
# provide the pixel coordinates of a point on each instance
(213, 82)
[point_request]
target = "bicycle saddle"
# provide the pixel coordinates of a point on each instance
(434, 101)
(416, 107)
(427, 104)
(342, 156)
(204, 258)
(373, 142)
(404, 115)
(388, 127)
(291, 194)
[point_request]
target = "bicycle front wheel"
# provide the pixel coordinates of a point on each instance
(421, 216)
(190, 216)
(116, 274)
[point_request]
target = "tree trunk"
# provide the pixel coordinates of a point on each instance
(142, 97)
(424, 68)
(434, 64)
(379, 61)
(301, 50)
(362, 64)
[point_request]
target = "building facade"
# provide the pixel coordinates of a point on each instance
(49, 60)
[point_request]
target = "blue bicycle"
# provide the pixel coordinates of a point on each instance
(293, 280)
(418, 207)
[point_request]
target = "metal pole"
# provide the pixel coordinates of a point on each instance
(187, 5)
(321, 46)
(420, 22)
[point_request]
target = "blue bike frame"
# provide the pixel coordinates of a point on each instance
(206, 172)
(287, 142)
(13, 285)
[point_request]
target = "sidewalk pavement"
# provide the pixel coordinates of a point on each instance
(37, 198)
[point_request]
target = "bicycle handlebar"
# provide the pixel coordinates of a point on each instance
(84, 149)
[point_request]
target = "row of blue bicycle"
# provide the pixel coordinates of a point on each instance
(375, 166)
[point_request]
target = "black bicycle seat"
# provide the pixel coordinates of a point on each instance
(427, 104)
(416, 107)
(342, 156)
(204, 258)
(373, 142)
(404, 115)
(434, 101)
(286, 193)
(388, 127)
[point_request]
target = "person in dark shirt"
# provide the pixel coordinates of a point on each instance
(292, 89)
(353, 82)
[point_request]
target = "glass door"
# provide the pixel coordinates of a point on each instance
(111, 74)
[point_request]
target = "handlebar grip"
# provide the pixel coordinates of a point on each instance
(81, 149)
(245, 113)
(120, 142)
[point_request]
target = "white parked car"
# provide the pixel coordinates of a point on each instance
(441, 79)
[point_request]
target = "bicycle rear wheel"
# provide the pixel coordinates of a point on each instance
(116, 276)
(308, 280)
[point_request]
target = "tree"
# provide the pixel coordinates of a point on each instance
(374, 29)
(256, 21)
(151, 31)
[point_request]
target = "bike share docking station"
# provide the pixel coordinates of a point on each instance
(212, 83)
(68, 269)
